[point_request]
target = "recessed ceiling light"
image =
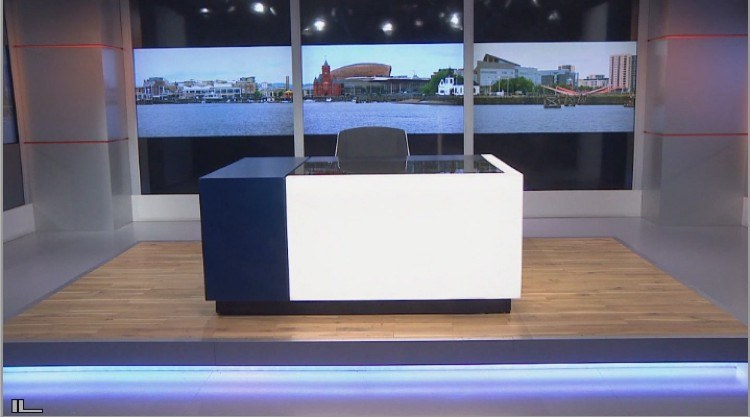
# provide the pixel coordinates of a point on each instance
(455, 20)
(259, 7)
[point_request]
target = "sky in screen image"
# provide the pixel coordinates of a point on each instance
(265, 63)
(588, 57)
(405, 59)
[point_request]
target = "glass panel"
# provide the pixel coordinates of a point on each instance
(565, 161)
(399, 64)
(411, 165)
(189, 92)
(557, 85)
(213, 85)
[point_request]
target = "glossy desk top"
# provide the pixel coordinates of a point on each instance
(427, 164)
(266, 167)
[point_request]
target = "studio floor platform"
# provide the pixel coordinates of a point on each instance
(583, 300)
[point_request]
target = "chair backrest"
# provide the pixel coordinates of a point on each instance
(372, 142)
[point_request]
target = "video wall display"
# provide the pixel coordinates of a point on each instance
(358, 22)
(214, 72)
(555, 20)
(199, 92)
(210, 23)
(400, 86)
(213, 82)
(558, 87)
(556, 90)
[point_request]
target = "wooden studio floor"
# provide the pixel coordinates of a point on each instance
(593, 287)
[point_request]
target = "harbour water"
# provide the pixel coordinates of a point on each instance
(215, 119)
(536, 119)
(269, 119)
(329, 118)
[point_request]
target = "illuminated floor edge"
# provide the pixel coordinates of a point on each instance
(364, 353)
(553, 389)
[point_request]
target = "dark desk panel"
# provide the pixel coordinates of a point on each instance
(243, 224)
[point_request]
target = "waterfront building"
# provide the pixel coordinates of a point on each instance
(362, 69)
(449, 86)
(325, 85)
(594, 81)
(622, 72)
(364, 78)
(157, 89)
(492, 69)
(247, 85)
(563, 75)
(529, 73)
(226, 91)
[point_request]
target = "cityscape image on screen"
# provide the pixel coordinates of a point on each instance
(554, 87)
(347, 86)
(191, 92)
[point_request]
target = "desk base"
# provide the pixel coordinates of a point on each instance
(262, 308)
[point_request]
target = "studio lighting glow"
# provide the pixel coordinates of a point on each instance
(387, 28)
(259, 7)
(319, 25)
(430, 390)
(380, 381)
(455, 20)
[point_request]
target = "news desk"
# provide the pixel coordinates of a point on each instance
(319, 235)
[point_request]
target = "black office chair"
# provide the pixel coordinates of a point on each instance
(372, 142)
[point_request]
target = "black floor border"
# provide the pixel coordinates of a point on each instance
(473, 306)
(364, 353)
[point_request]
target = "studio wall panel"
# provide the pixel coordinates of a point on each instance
(696, 17)
(652, 162)
(119, 175)
(66, 104)
(113, 72)
(72, 112)
(701, 181)
(66, 22)
(706, 85)
(695, 143)
(71, 186)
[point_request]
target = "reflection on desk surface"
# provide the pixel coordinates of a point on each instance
(428, 164)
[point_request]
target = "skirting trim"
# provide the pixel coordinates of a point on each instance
(363, 307)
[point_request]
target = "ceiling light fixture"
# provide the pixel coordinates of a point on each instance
(259, 7)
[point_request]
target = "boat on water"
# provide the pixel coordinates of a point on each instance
(328, 100)
(212, 98)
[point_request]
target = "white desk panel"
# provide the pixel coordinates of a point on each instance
(405, 237)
